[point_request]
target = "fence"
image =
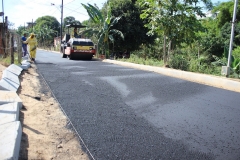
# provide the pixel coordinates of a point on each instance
(10, 44)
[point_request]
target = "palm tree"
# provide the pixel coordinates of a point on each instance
(103, 32)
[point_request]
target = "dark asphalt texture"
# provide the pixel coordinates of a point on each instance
(129, 114)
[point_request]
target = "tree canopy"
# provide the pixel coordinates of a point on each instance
(172, 18)
(131, 25)
(49, 21)
(104, 27)
(225, 13)
(70, 20)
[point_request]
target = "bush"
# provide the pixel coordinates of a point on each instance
(236, 53)
(148, 61)
(178, 62)
(194, 65)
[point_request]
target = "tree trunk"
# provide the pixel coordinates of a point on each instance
(3, 48)
(12, 49)
(108, 49)
(113, 47)
(169, 50)
(7, 44)
(198, 52)
(164, 51)
(19, 49)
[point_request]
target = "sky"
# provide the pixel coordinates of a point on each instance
(20, 12)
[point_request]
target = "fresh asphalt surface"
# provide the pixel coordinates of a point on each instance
(124, 113)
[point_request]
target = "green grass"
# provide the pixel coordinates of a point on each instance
(7, 61)
(135, 59)
(194, 67)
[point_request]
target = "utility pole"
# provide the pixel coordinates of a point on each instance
(3, 18)
(12, 49)
(3, 31)
(61, 24)
(231, 38)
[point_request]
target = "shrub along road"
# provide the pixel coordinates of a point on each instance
(124, 113)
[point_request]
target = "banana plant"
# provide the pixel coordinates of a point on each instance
(234, 67)
(94, 13)
(104, 31)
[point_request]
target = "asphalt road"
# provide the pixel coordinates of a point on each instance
(124, 113)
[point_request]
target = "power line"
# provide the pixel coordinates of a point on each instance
(69, 2)
(49, 11)
(49, 5)
(75, 4)
(54, 11)
(52, 4)
(76, 11)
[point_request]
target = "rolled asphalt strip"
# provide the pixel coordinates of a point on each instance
(210, 80)
(10, 103)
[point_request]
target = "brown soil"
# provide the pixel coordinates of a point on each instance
(45, 135)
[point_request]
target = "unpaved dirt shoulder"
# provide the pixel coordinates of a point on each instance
(45, 135)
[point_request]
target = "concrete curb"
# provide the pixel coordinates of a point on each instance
(215, 81)
(6, 85)
(14, 69)
(10, 105)
(9, 97)
(10, 80)
(11, 77)
(10, 140)
(25, 65)
(9, 112)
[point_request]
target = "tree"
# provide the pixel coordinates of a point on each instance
(21, 30)
(174, 20)
(45, 35)
(46, 28)
(132, 27)
(104, 27)
(226, 32)
(225, 13)
(49, 21)
(70, 20)
(215, 40)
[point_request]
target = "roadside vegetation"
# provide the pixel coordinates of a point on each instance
(6, 61)
(168, 33)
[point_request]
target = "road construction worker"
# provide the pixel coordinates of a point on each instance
(75, 33)
(24, 46)
(32, 43)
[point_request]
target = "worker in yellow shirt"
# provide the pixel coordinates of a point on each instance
(32, 43)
